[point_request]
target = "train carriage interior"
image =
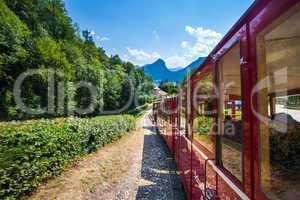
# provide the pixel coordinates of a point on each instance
(279, 106)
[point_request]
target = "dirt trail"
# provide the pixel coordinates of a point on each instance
(136, 167)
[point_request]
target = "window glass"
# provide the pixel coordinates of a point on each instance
(203, 121)
(279, 107)
(183, 112)
(188, 96)
(230, 111)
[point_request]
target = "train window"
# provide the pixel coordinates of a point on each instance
(279, 106)
(230, 112)
(183, 112)
(203, 121)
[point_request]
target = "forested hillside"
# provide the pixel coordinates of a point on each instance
(38, 34)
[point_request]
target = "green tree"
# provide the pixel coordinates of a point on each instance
(14, 35)
(38, 34)
(169, 87)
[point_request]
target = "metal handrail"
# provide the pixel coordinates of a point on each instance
(205, 176)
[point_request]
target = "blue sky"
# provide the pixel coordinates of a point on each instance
(178, 31)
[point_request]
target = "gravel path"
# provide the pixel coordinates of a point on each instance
(159, 179)
(138, 166)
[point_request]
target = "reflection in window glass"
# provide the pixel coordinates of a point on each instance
(279, 107)
(230, 114)
(183, 112)
(203, 122)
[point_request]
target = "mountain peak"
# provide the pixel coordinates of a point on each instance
(160, 61)
(158, 70)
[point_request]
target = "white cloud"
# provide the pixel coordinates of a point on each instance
(92, 33)
(206, 40)
(104, 39)
(184, 44)
(125, 57)
(176, 61)
(155, 33)
(189, 29)
(140, 57)
(98, 37)
(101, 39)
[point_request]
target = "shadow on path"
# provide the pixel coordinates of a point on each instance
(159, 179)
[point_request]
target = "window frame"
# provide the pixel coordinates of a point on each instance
(220, 132)
(270, 12)
(183, 115)
(261, 69)
(194, 111)
(241, 37)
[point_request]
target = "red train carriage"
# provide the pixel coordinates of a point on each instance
(234, 128)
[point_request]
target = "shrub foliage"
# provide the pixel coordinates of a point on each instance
(39, 35)
(285, 148)
(33, 151)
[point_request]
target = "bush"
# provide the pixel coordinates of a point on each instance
(33, 151)
(285, 148)
(204, 125)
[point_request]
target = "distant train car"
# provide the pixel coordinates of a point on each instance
(234, 127)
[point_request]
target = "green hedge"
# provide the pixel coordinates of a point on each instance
(33, 151)
(285, 148)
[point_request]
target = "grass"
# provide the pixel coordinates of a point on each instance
(97, 174)
(138, 111)
(35, 151)
(232, 157)
(205, 140)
